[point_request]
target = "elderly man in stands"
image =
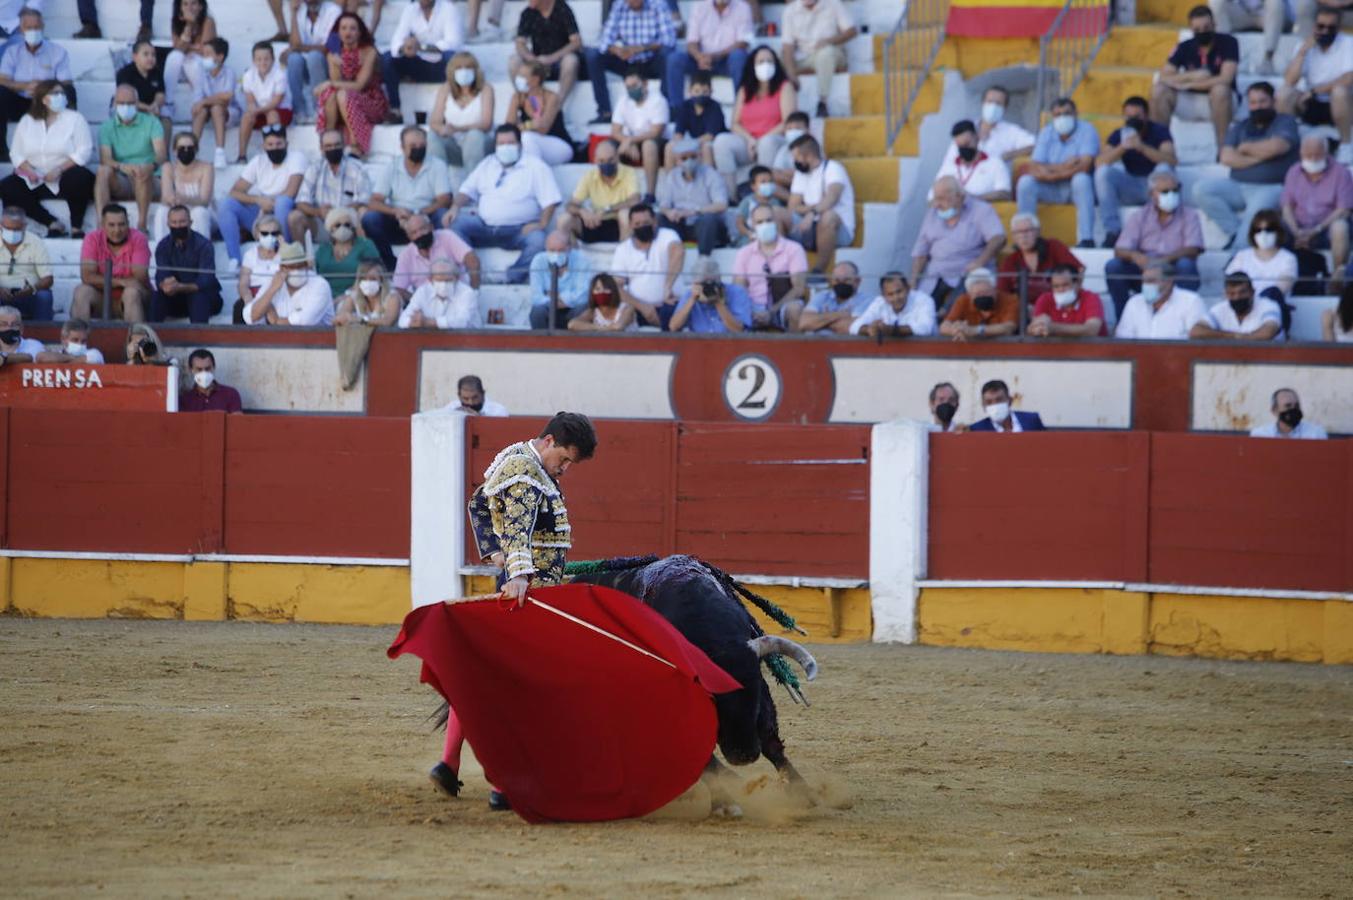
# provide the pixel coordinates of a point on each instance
(1031, 259)
(16, 349)
(1126, 161)
(1060, 171)
(1000, 417)
(127, 250)
(638, 35)
(981, 312)
(415, 184)
(1318, 83)
(185, 276)
(1164, 229)
(717, 37)
(74, 348)
(26, 62)
(841, 303)
(547, 33)
(560, 281)
(711, 306)
(814, 37)
(296, 295)
(982, 176)
(516, 197)
(1067, 310)
(944, 400)
(1162, 311)
(898, 312)
(1197, 82)
(425, 245)
(1288, 420)
(268, 184)
(822, 201)
(692, 198)
(1316, 201)
(335, 180)
(25, 269)
(774, 270)
(443, 301)
(647, 267)
(207, 394)
(131, 145)
(1241, 316)
(1259, 151)
(598, 210)
(428, 34)
(958, 234)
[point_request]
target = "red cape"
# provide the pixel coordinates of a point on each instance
(570, 724)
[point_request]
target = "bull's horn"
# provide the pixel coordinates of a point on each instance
(767, 644)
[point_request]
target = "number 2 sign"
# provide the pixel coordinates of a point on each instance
(751, 387)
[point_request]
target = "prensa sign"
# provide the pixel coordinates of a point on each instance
(61, 377)
(132, 388)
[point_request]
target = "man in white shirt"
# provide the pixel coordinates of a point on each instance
(822, 201)
(1241, 316)
(295, 296)
(1287, 420)
(443, 301)
(25, 267)
(472, 401)
(427, 36)
(996, 137)
(74, 348)
(516, 197)
(269, 183)
(1162, 311)
(305, 58)
(814, 34)
(648, 267)
(943, 407)
(638, 123)
(982, 175)
(333, 181)
(1323, 64)
(14, 347)
(899, 312)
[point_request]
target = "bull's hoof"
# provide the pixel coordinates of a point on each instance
(498, 801)
(444, 779)
(727, 811)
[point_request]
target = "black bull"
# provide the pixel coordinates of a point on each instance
(685, 593)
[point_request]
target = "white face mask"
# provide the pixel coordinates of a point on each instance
(792, 135)
(521, 84)
(1168, 201)
(464, 77)
(268, 241)
(1064, 124)
(126, 111)
(76, 348)
(507, 154)
(767, 232)
(1265, 240)
(441, 289)
(57, 102)
(1064, 299)
(992, 113)
(764, 71)
(556, 258)
(998, 412)
(33, 37)
(342, 232)
(297, 279)
(369, 287)
(1151, 292)
(204, 378)
(1314, 166)
(11, 236)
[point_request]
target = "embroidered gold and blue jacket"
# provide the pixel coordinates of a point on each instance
(520, 511)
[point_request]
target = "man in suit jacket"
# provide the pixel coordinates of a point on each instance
(996, 402)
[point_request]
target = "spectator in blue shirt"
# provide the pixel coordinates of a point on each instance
(1121, 171)
(637, 33)
(575, 277)
(1060, 171)
(185, 283)
(697, 117)
(712, 307)
(25, 64)
(840, 304)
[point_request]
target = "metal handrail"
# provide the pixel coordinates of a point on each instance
(909, 51)
(1068, 47)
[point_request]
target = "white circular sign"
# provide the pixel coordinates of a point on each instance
(751, 387)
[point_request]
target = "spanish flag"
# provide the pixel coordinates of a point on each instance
(1021, 18)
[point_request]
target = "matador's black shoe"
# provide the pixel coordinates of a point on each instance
(443, 778)
(498, 801)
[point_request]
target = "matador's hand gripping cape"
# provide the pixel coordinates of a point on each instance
(519, 511)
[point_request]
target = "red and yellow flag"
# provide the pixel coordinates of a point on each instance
(1020, 18)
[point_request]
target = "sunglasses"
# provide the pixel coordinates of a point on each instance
(267, 233)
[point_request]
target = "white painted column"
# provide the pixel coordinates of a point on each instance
(437, 512)
(899, 482)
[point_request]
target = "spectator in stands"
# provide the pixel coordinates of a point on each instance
(982, 176)
(832, 310)
(129, 253)
(598, 210)
(774, 270)
(1060, 171)
(1241, 316)
(539, 113)
(131, 145)
(208, 394)
(1033, 255)
(516, 196)
(306, 58)
(998, 137)
(1162, 311)
(74, 348)
(1259, 151)
(981, 312)
(560, 278)
(609, 308)
(338, 258)
(1271, 266)
(782, 166)
(295, 296)
(692, 199)
(944, 402)
(712, 307)
(1287, 420)
(1198, 81)
(428, 34)
(25, 270)
(24, 66)
(1318, 83)
(266, 99)
(334, 180)
(698, 117)
(822, 201)
(1316, 200)
(185, 273)
(899, 312)
(1000, 417)
(1067, 310)
(762, 189)
(462, 112)
(144, 347)
(268, 184)
(765, 98)
(547, 33)
(352, 95)
(638, 35)
(191, 29)
(1336, 323)
(1129, 156)
(641, 117)
(1164, 230)
(814, 34)
(143, 73)
(215, 97)
(15, 349)
(372, 299)
(260, 262)
(1270, 16)
(648, 267)
(51, 151)
(443, 301)
(958, 234)
(471, 399)
(425, 245)
(188, 181)
(717, 37)
(416, 184)
(89, 20)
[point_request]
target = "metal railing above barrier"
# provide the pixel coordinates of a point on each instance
(1069, 46)
(909, 51)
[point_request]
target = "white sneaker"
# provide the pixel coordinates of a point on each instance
(489, 34)
(219, 159)
(233, 266)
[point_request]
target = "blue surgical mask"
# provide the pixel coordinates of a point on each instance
(766, 189)
(126, 111)
(556, 258)
(947, 214)
(1064, 124)
(56, 102)
(507, 154)
(1151, 292)
(33, 37)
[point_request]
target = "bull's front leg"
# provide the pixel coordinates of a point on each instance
(773, 748)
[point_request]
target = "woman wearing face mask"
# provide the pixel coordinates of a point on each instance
(605, 311)
(260, 262)
(1270, 265)
(462, 113)
(192, 28)
(537, 112)
(338, 261)
(765, 99)
(371, 299)
(50, 149)
(143, 74)
(353, 95)
(186, 180)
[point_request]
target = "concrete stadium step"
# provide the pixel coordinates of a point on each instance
(1163, 11)
(1138, 45)
(874, 178)
(1104, 87)
(974, 56)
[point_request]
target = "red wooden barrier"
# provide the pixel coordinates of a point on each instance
(45, 386)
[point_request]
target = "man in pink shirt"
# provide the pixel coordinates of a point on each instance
(414, 264)
(774, 270)
(129, 252)
(1316, 201)
(716, 42)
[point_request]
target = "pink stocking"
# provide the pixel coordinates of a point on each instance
(455, 739)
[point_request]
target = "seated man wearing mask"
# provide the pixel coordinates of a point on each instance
(295, 296)
(1000, 417)
(1067, 309)
(1241, 316)
(207, 393)
(840, 304)
(443, 301)
(943, 407)
(981, 313)
(560, 278)
(899, 312)
(74, 347)
(1161, 230)
(712, 307)
(14, 347)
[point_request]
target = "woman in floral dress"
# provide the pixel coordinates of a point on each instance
(353, 94)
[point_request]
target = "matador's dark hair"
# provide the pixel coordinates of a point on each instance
(573, 430)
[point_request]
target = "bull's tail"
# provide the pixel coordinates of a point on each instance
(440, 716)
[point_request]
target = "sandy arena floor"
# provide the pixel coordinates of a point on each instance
(164, 758)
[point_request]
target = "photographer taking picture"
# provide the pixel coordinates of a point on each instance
(144, 347)
(712, 307)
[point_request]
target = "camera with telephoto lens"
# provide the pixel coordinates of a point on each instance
(148, 349)
(709, 290)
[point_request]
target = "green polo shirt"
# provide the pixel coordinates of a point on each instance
(132, 142)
